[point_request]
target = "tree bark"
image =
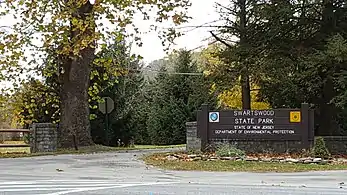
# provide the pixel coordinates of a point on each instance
(245, 83)
(74, 127)
(246, 91)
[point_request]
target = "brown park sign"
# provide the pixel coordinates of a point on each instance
(274, 124)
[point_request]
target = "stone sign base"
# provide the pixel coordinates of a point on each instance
(43, 137)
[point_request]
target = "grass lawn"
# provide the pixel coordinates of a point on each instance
(25, 151)
(14, 149)
(158, 147)
(159, 160)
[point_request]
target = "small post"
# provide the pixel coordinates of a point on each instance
(311, 127)
(305, 125)
(106, 118)
(34, 141)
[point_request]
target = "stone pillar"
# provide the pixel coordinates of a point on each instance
(193, 142)
(44, 137)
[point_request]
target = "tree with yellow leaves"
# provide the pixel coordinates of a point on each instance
(230, 96)
(74, 29)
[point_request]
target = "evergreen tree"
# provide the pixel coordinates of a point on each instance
(124, 88)
(242, 38)
(285, 46)
(140, 115)
(300, 60)
(176, 99)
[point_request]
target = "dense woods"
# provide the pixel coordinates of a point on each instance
(267, 54)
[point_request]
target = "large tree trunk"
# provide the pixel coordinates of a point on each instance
(245, 83)
(74, 120)
(74, 127)
(245, 91)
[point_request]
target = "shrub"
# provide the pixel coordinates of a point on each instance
(320, 150)
(225, 150)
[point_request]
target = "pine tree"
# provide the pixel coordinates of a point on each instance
(176, 99)
(124, 88)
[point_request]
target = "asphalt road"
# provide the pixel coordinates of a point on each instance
(122, 174)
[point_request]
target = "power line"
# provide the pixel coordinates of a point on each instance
(163, 72)
(175, 73)
(157, 71)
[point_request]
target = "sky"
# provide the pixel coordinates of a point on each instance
(202, 11)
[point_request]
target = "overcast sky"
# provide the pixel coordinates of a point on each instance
(202, 11)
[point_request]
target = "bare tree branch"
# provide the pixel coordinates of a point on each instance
(206, 23)
(220, 40)
(6, 27)
(227, 8)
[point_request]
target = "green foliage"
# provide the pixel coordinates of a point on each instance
(229, 92)
(317, 79)
(7, 114)
(153, 112)
(294, 51)
(166, 121)
(175, 99)
(74, 30)
(320, 150)
(54, 20)
(314, 64)
(140, 115)
(35, 102)
(226, 150)
(115, 74)
(239, 58)
(38, 101)
(288, 52)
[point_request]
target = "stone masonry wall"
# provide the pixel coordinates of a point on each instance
(335, 144)
(193, 142)
(44, 137)
(262, 146)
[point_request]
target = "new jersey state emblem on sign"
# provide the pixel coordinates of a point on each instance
(295, 117)
(213, 117)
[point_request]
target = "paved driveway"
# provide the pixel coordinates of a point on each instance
(122, 174)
